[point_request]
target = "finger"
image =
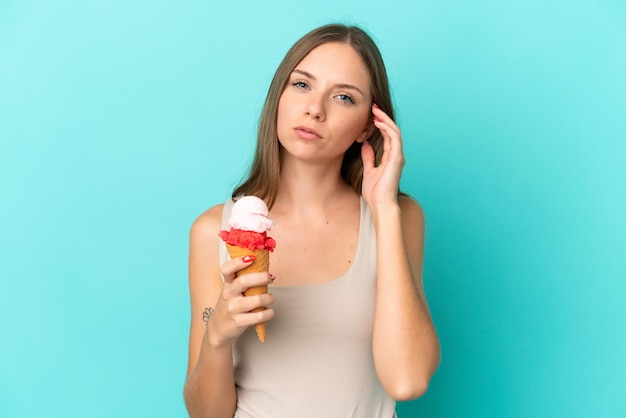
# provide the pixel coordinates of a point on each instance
(381, 116)
(252, 318)
(385, 129)
(394, 138)
(246, 281)
(248, 303)
(231, 267)
(254, 279)
(386, 142)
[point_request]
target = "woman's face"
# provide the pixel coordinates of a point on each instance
(326, 105)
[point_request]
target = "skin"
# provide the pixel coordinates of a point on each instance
(313, 199)
(328, 93)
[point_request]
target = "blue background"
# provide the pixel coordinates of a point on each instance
(120, 122)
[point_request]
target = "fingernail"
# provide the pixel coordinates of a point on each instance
(248, 258)
(375, 106)
(272, 277)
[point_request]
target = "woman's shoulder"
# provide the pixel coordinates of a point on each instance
(409, 203)
(411, 209)
(208, 223)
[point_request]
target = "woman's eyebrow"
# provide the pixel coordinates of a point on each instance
(342, 85)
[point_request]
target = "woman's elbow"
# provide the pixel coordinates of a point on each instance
(413, 385)
(189, 398)
(408, 391)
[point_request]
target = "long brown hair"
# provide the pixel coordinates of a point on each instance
(264, 174)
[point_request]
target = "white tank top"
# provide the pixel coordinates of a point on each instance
(317, 361)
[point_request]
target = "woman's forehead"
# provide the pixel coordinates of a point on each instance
(336, 60)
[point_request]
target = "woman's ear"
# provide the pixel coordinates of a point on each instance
(367, 132)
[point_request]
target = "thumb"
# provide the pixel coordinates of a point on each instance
(367, 155)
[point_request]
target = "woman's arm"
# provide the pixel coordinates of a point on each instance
(405, 345)
(210, 387)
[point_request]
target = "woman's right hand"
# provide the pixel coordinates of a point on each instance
(232, 314)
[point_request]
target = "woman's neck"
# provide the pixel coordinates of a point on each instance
(306, 187)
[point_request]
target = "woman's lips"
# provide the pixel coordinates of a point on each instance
(307, 133)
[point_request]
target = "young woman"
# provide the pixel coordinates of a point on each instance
(349, 330)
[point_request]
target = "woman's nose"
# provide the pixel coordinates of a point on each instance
(315, 107)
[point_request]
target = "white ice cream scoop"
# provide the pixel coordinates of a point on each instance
(249, 213)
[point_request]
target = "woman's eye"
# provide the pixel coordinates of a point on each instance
(300, 84)
(345, 98)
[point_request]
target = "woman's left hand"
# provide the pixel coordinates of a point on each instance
(380, 183)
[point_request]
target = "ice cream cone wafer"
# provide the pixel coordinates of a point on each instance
(261, 263)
